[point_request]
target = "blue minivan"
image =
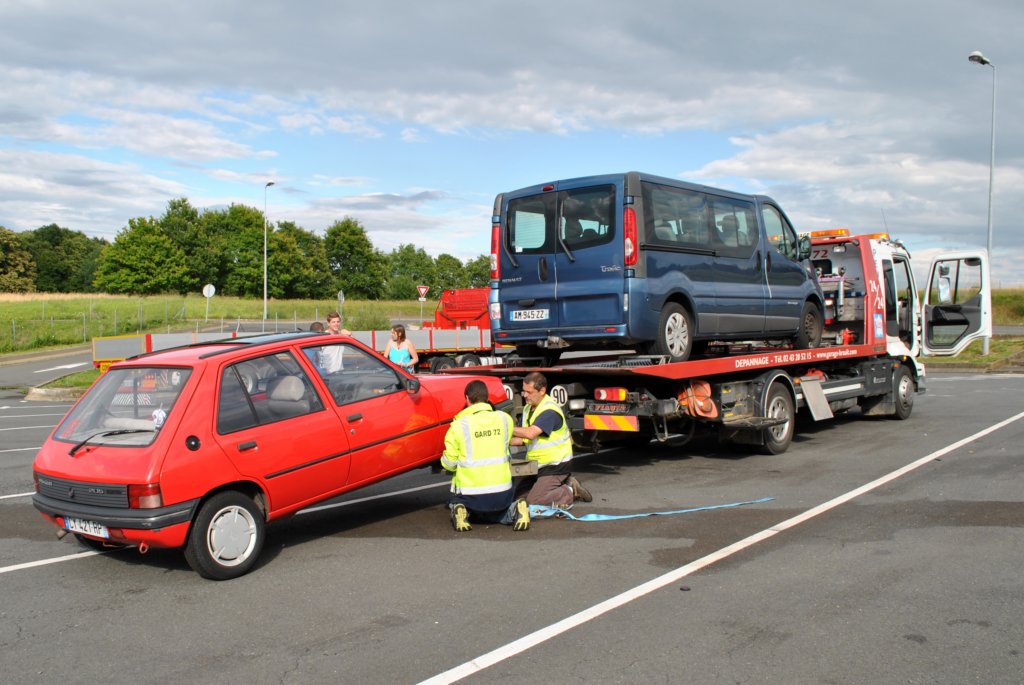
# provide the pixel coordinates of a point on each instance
(650, 263)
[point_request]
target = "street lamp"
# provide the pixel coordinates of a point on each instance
(269, 183)
(978, 58)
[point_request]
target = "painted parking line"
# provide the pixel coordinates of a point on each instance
(566, 624)
(21, 494)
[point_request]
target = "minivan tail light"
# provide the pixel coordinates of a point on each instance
(145, 496)
(629, 241)
(495, 245)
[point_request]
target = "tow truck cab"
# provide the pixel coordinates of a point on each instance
(871, 295)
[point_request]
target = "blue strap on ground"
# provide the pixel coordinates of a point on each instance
(541, 511)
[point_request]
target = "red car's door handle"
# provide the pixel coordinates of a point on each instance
(245, 446)
(355, 417)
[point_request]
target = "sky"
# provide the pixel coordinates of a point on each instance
(411, 116)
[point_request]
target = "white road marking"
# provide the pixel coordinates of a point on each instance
(21, 428)
(30, 416)
(22, 494)
(566, 624)
(61, 368)
(46, 562)
(21, 449)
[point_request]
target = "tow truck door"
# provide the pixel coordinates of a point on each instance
(957, 307)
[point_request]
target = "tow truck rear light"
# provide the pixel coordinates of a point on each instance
(610, 394)
(495, 246)
(629, 241)
(145, 496)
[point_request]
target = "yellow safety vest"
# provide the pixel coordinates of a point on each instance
(476, 449)
(552, 449)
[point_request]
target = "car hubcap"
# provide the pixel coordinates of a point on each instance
(676, 334)
(231, 536)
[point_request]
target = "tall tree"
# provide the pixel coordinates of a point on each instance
(65, 260)
(238, 235)
(182, 223)
(450, 273)
(358, 268)
(17, 270)
(409, 266)
(478, 272)
(310, 276)
(142, 260)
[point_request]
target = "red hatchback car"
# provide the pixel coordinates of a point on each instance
(200, 446)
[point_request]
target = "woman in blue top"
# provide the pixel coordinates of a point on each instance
(400, 351)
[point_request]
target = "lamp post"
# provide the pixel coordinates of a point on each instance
(977, 58)
(269, 183)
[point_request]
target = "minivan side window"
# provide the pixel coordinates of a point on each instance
(736, 232)
(781, 235)
(676, 217)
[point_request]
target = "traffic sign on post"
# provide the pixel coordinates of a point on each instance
(423, 290)
(208, 292)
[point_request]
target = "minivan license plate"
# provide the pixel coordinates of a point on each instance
(529, 314)
(88, 527)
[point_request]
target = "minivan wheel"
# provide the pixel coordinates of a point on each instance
(675, 334)
(811, 325)
(226, 536)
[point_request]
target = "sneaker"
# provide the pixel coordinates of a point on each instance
(522, 518)
(578, 491)
(460, 518)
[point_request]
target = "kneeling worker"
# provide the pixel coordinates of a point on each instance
(549, 443)
(476, 451)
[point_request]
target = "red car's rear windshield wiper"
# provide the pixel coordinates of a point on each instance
(104, 434)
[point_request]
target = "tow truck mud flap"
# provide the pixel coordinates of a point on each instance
(814, 398)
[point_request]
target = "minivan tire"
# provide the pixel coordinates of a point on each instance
(675, 334)
(811, 325)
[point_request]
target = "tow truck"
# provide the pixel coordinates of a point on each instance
(877, 324)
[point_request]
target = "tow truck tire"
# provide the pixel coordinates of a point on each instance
(902, 393)
(811, 325)
(441, 363)
(226, 537)
(467, 360)
(778, 404)
(675, 334)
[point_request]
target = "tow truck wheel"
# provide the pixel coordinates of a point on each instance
(779, 405)
(811, 325)
(441, 363)
(226, 537)
(903, 393)
(467, 360)
(675, 334)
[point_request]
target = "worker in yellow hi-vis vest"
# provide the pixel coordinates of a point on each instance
(476, 452)
(548, 442)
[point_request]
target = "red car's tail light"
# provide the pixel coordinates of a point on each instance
(146, 496)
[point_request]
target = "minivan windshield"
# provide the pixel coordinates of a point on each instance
(125, 407)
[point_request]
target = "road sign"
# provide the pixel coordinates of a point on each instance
(423, 290)
(209, 290)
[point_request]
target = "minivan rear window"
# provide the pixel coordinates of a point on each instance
(585, 218)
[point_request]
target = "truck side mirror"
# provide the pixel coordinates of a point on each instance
(944, 295)
(804, 248)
